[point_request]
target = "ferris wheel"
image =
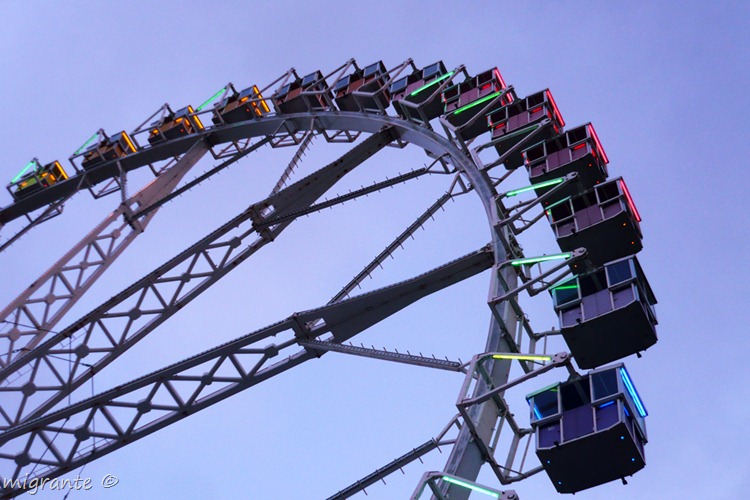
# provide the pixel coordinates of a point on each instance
(586, 430)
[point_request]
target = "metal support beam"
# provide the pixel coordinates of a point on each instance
(104, 423)
(392, 247)
(433, 479)
(34, 313)
(493, 395)
(409, 359)
(466, 457)
(304, 146)
(111, 329)
(410, 456)
(375, 187)
(380, 474)
(146, 209)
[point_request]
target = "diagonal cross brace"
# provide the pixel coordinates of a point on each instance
(97, 251)
(225, 242)
(243, 363)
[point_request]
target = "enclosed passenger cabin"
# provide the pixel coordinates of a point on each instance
(303, 94)
(241, 106)
(606, 314)
(466, 100)
(590, 430)
(419, 89)
(516, 121)
(370, 80)
(175, 124)
(108, 148)
(604, 220)
(577, 150)
(35, 177)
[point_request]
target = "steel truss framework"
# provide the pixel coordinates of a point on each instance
(39, 368)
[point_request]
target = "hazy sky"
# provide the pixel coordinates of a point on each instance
(664, 84)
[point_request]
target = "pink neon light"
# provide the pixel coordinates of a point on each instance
(499, 78)
(598, 144)
(554, 106)
(630, 200)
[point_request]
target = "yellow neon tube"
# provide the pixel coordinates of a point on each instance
(522, 357)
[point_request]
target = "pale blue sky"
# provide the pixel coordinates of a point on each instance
(663, 82)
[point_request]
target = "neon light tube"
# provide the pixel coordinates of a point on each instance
(535, 186)
(552, 387)
(62, 171)
(86, 143)
(536, 412)
(480, 101)
(544, 258)
(440, 79)
(633, 392)
(130, 143)
(211, 99)
(598, 144)
(198, 122)
(22, 172)
(523, 357)
(630, 200)
(470, 486)
(256, 91)
(556, 110)
(549, 207)
(499, 78)
(566, 287)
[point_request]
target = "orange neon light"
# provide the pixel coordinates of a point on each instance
(61, 171)
(263, 104)
(128, 141)
(197, 120)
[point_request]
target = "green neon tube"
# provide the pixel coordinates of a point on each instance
(22, 172)
(558, 202)
(211, 99)
(420, 89)
(544, 258)
(551, 387)
(535, 186)
(566, 287)
(86, 143)
(480, 101)
(470, 486)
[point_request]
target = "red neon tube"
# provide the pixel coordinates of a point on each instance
(630, 200)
